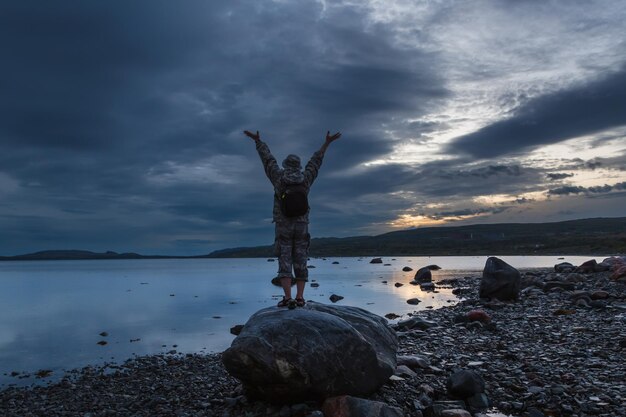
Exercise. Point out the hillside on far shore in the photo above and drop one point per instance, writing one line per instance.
(601, 236)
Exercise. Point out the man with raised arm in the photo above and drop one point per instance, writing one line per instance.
(291, 213)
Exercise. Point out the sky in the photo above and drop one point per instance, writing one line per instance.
(121, 122)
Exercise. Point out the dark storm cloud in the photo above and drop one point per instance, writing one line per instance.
(103, 102)
(485, 172)
(581, 110)
(558, 175)
(600, 189)
(445, 179)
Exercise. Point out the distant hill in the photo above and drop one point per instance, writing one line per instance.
(600, 236)
(61, 255)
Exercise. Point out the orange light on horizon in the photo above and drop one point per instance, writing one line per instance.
(405, 221)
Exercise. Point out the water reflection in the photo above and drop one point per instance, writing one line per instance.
(53, 312)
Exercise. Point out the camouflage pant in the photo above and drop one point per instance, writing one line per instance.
(292, 248)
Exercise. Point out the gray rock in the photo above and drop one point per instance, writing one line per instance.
(313, 352)
(415, 322)
(423, 275)
(334, 298)
(413, 361)
(403, 370)
(236, 329)
(588, 266)
(347, 406)
(568, 286)
(407, 269)
(564, 267)
(464, 384)
(457, 412)
(438, 407)
(376, 261)
(478, 401)
(602, 267)
(500, 280)
(427, 286)
(413, 301)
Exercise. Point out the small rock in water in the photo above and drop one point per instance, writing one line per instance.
(335, 263)
(334, 298)
(102, 342)
(413, 301)
(376, 261)
(314, 285)
(43, 373)
(423, 275)
(407, 269)
(398, 284)
(392, 316)
(104, 334)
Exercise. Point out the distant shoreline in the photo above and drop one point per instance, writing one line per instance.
(80, 255)
(593, 237)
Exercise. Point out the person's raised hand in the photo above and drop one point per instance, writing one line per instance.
(256, 137)
(330, 138)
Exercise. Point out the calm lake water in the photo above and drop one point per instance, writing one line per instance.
(52, 312)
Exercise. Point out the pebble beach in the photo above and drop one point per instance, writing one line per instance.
(558, 351)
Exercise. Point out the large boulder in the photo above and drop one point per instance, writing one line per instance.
(310, 353)
(500, 280)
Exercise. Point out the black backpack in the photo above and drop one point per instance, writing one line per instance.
(294, 201)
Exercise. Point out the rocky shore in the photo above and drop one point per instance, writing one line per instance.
(557, 351)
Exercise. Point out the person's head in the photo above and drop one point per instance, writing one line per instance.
(292, 162)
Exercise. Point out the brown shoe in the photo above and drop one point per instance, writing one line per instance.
(287, 302)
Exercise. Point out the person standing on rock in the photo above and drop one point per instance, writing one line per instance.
(291, 213)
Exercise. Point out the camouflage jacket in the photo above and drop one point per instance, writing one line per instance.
(275, 174)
